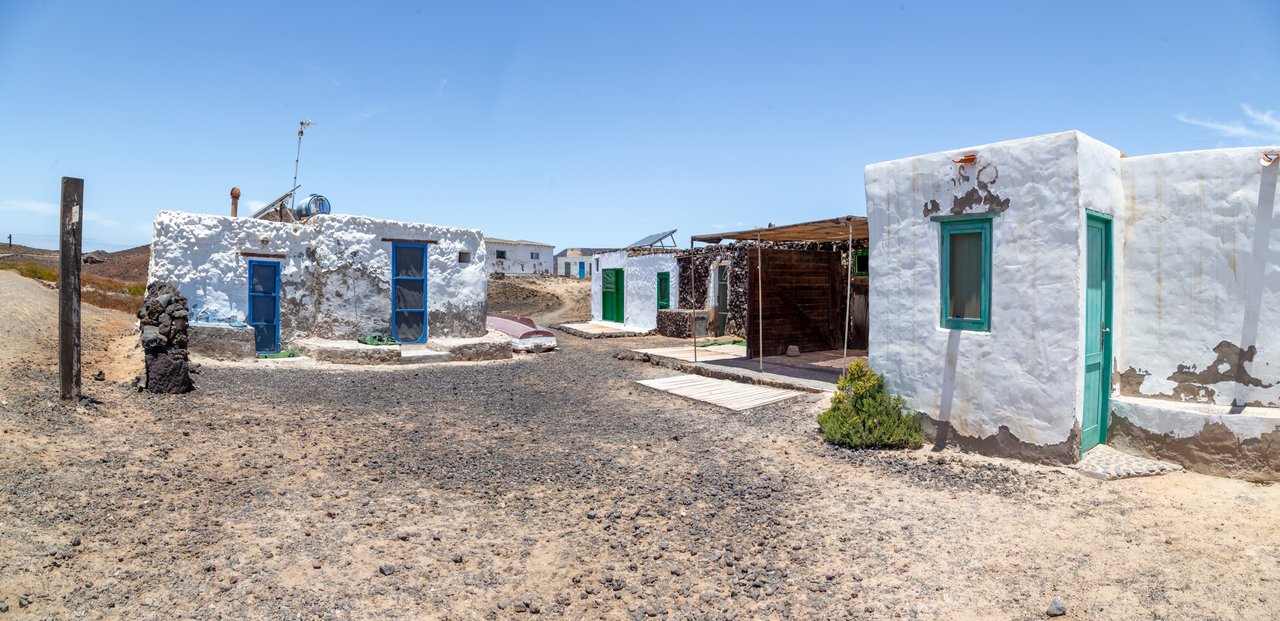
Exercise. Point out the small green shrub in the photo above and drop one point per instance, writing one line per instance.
(33, 270)
(377, 339)
(864, 414)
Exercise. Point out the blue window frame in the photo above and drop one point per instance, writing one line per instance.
(264, 305)
(409, 292)
(965, 261)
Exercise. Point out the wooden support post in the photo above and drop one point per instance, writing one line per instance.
(70, 234)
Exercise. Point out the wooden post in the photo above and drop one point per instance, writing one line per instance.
(70, 234)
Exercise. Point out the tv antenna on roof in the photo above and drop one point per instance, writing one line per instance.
(302, 125)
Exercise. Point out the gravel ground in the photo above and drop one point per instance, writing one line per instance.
(552, 485)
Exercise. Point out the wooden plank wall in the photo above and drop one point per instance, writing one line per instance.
(802, 298)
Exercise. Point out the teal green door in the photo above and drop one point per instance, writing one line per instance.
(664, 290)
(1097, 333)
(612, 291)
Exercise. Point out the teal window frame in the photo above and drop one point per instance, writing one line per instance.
(948, 226)
(860, 253)
(664, 290)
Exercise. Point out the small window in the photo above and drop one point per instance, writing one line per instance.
(664, 290)
(597, 265)
(966, 274)
(502, 254)
(534, 255)
(860, 262)
(464, 257)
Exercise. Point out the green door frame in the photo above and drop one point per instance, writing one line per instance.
(1100, 313)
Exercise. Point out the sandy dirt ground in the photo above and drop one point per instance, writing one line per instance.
(553, 485)
(549, 300)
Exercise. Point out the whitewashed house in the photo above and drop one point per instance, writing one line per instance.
(629, 287)
(519, 256)
(330, 276)
(1038, 297)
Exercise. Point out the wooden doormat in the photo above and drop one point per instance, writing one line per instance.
(724, 393)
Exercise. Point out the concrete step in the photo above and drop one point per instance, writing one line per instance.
(422, 355)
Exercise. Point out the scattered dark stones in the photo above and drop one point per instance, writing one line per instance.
(1056, 608)
(387, 569)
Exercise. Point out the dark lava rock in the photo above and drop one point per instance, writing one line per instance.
(1056, 608)
(387, 569)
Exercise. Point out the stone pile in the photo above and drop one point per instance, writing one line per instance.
(163, 320)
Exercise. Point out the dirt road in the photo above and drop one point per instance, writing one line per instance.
(552, 484)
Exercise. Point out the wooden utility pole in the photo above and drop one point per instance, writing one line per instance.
(70, 234)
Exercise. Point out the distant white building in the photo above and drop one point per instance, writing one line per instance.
(577, 262)
(518, 257)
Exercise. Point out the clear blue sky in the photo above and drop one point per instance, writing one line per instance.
(591, 123)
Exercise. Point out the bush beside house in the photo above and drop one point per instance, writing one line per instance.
(864, 414)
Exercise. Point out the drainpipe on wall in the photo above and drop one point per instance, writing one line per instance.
(235, 201)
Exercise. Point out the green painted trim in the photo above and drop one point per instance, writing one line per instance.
(664, 290)
(860, 253)
(986, 215)
(1099, 215)
(947, 229)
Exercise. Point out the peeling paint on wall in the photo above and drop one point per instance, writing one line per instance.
(977, 199)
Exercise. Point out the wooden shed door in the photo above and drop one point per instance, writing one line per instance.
(801, 297)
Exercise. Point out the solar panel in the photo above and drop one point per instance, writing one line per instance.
(654, 239)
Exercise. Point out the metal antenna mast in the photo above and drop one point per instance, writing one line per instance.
(302, 125)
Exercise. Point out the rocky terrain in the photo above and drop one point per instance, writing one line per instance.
(552, 485)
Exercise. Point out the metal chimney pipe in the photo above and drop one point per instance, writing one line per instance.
(235, 201)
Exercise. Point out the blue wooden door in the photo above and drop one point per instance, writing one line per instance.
(582, 270)
(409, 292)
(1097, 333)
(264, 305)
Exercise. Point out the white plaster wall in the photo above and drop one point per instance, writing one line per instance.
(1100, 191)
(518, 260)
(335, 275)
(1201, 247)
(640, 283)
(1026, 373)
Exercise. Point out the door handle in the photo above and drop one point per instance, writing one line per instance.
(1102, 337)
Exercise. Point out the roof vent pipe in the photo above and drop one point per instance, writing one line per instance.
(1269, 158)
(235, 201)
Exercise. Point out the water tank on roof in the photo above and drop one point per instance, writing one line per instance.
(311, 205)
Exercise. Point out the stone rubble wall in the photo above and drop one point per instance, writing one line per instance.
(163, 320)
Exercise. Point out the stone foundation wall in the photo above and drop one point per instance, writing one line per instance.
(678, 322)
